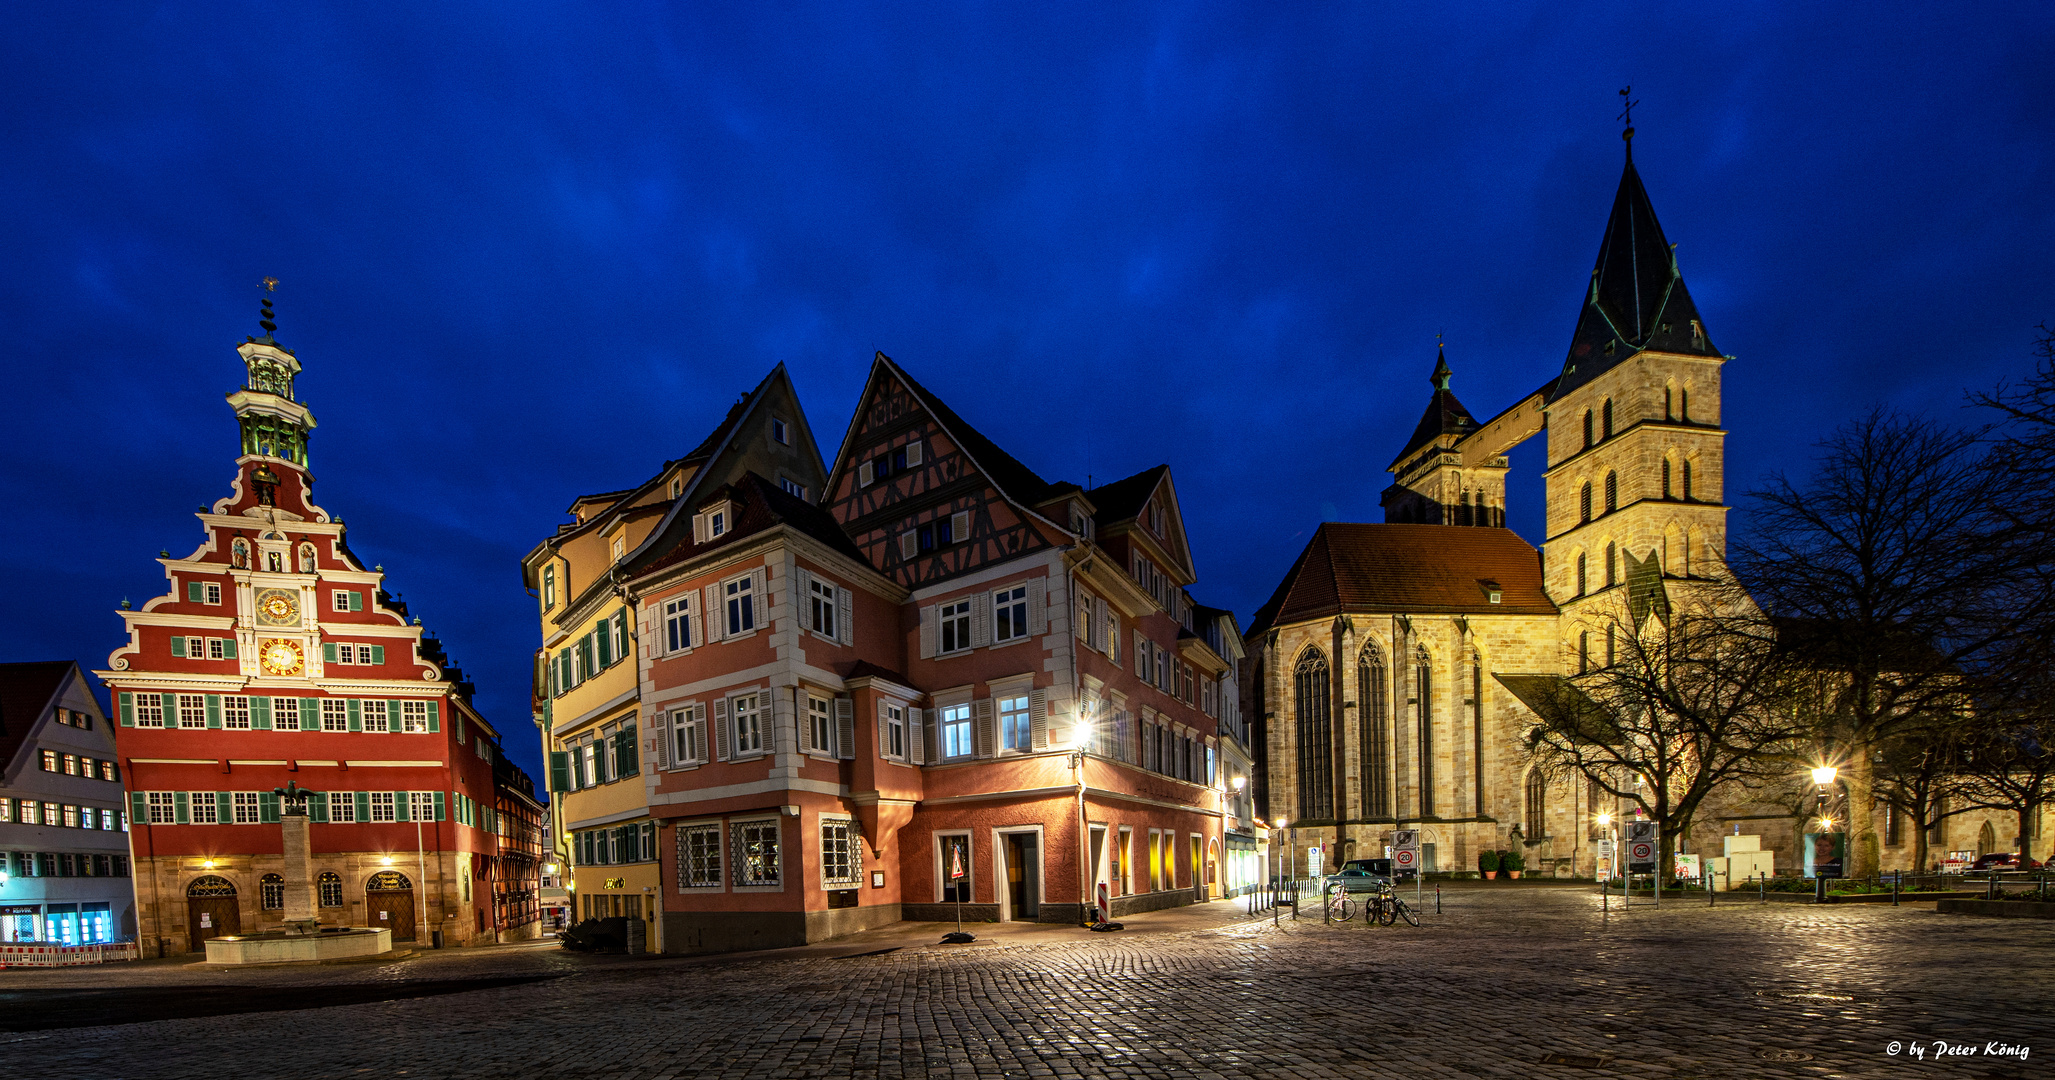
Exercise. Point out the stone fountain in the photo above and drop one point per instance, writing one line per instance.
(302, 938)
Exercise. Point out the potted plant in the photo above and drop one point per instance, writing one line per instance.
(1512, 862)
(1487, 864)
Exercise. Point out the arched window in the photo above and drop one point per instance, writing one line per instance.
(239, 553)
(1587, 429)
(1609, 646)
(1668, 412)
(1687, 480)
(1583, 651)
(1374, 709)
(1987, 839)
(1605, 427)
(1423, 691)
(329, 884)
(306, 558)
(271, 892)
(1666, 478)
(1537, 805)
(1316, 737)
(1612, 559)
(1580, 574)
(1612, 492)
(1584, 502)
(1684, 404)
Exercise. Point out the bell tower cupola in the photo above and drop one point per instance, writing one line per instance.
(274, 425)
(1431, 484)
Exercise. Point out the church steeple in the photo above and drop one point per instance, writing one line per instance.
(1636, 300)
(274, 425)
(1431, 484)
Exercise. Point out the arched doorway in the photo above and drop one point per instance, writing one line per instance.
(1987, 839)
(389, 904)
(211, 911)
(1213, 888)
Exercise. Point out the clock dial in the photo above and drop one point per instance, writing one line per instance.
(281, 657)
(278, 607)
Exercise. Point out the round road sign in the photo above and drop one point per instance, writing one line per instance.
(1641, 851)
(1402, 858)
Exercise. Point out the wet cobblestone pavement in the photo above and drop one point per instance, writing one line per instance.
(1502, 980)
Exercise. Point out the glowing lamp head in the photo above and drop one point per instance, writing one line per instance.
(1826, 823)
(386, 861)
(1604, 820)
(1081, 734)
(1824, 775)
(1241, 782)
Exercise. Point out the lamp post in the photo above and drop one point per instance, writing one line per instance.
(1238, 783)
(1081, 736)
(1605, 822)
(1823, 777)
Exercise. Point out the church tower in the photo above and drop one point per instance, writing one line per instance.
(1634, 438)
(1431, 484)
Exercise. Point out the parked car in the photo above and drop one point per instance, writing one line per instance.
(1362, 875)
(2003, 860)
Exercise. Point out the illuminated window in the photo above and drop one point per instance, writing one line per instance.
(841, 865)
(248, 808)
(1016, 730)
(756, 854)
(699, 854)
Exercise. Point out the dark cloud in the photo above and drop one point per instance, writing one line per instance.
(532, 250)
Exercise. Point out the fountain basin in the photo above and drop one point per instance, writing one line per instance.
(281, 947)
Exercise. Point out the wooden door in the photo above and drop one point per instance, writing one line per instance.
(392, 910)
(1023, 876)
(211, 917)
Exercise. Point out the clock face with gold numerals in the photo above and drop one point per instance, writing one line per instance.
(281, 657)
(278, 607)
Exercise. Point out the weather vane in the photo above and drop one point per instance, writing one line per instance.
(271, 284)
(1627, 111)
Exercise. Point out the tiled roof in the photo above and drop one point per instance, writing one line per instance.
(1444, 416)
(1122, 499)
(1637, 299)
(1407, 569)
(761, 505)
(25, 690)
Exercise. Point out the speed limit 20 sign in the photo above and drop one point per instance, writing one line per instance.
(1405, 849)
(1641, 847)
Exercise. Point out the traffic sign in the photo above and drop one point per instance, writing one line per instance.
(1642, 837)
(1405, 850)
(1605, 848)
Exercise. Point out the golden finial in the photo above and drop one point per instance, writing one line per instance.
(270, 284)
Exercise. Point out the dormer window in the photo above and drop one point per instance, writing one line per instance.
(1493, 593)
(677, 486)
(1156, 518)
(792, 487)
(549, 587)
(620, 548)
(780, 433)
(713, 522)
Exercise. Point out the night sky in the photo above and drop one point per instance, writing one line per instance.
(529, 251)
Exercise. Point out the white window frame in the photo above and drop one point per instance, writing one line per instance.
(375, 705)
(895, 732)
(820, 725)
(738, 606)
(414, 717)
(792, 487)
(759, 703)
(335, 714)
(690, 876)
(249, 807)
(192, 710)
(1010, 607)
(748, 875)
(953, 624)
(342, 807)
(781, 432)
(822, 598)
(149, 709)
(956, 726)
(235, 712)
(382, 807)
(197, 801)
(162, 806)
(213, 593)
(841, 831)
(688, 735)
(677, 615)
(1023, 717)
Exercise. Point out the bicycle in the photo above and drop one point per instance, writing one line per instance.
(1389, 908)
(1339, 906)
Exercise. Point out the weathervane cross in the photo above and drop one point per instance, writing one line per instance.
(270, 284)
(1627, 108)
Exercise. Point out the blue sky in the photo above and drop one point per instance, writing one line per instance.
(532, 250)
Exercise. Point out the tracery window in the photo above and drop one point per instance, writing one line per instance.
(1537, 805)
(1315, 736)
(1612, 492)
(1373, 709)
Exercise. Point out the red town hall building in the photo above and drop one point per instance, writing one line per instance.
(277, 656)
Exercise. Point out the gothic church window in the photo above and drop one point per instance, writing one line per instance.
(1583, 651)
(1684, 404)
(1370, 679)
(1584, 502)
(1612, 492)
(1580, 573)
(1537, 805)
(1667, 413)
(1612, 557)
(1423, 688)
(1687, 481)
(1315, 735)
(1610, 646)
(1666, 478)
(1587, 429)
(1605, 427)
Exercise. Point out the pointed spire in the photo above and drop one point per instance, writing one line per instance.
(1439, 380)
(1637, 299)
(1444, 416)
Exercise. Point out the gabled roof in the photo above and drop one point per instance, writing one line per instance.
(1407, 569)
(1637, 299)
(1018, 483)
(26, 689)
(1444, 416)
(760, 506)
(1123, 499)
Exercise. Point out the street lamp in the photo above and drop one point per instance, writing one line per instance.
(1081, 737)
(1823, 775)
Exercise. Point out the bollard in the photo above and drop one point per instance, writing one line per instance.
(1762, 887)
(1437, 898)
(1991, 885)
(1708, 875)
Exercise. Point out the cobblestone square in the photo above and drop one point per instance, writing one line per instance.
(1501, 980)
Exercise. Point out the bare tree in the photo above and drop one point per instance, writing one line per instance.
(1912, 771)
(1896, 561)
(1695, 699)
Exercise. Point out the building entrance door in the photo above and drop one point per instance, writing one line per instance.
(211, 911)
(1024, 875)
(1198, 881)
(389, 904)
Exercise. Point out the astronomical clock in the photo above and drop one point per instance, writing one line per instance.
(281, 658)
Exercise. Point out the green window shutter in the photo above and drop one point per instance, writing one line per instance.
(267, 807)
(228, 649)
(378, 654)
(356, 601)
(363, 806)
(621, 632)
(181, 808)
(224, 808)
(170, 710)
(138, 809)
(196, 593)
(317, 808)
(328, 651)
(626, 758)
(260, 714)
(559, 771)
(128, 709)
(310, 714)
(178, 646)
(213, 710)
(356, 708)
(604, 644)
(435, 716)
(401, 811)
(439, 808)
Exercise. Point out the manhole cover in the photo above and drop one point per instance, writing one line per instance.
(1577, 1061)
(1783, 1055)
